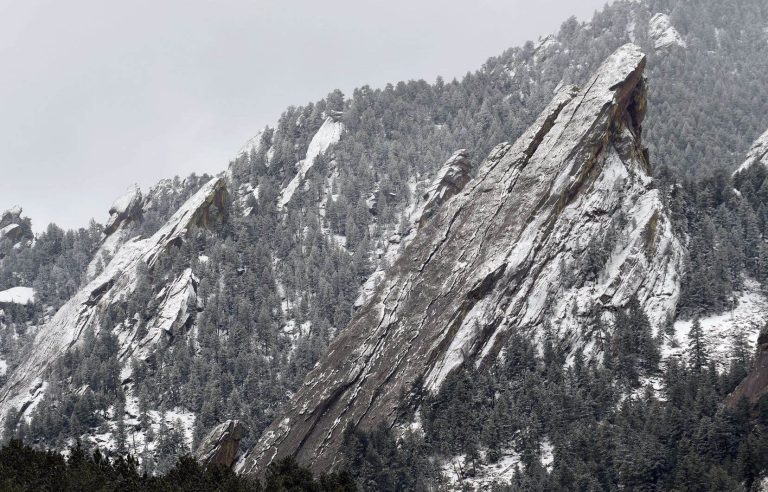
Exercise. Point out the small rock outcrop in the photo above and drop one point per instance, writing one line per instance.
(663, 33)
(12, 226)
(126, 208)
(222, 445)
(450, 180)
(758, 154)
(557, 230)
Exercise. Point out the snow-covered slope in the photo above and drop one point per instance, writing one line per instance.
(17, 295)
(745, 320)
(495, 260)
(26, 385)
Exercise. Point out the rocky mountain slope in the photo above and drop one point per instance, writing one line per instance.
(342, 191)
(572, 198)
(27, 385)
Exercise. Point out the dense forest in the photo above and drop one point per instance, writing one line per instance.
(24, 468)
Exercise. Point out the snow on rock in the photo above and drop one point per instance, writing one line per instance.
(253, 144)
(450, 180)
(11, 229)
(758, 154)
(12, 215)
(17, 295)
(663, 33)
(748, 316)
(328, 134)
(222, 444)
(118, 280)
(126, 207)
(508, 254)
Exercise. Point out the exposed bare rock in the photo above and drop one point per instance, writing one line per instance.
(26, 385)
(758, 154)
(450, 180)
(495, 260)
(126, 208)
(11, 227)
(222, 445)
(755, 385)
(11, 232)
(663, 33)
(10, 216)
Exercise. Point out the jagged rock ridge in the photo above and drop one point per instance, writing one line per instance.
(496, 259)
(26, 385)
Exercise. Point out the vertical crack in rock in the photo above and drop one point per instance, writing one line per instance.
(493, 260)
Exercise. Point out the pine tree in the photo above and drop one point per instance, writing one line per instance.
(697, 350)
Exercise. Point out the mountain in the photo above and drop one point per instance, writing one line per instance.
(572, 198)
(373, 221)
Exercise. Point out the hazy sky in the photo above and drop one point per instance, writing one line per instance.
(97, 95)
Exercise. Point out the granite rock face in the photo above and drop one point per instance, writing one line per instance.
(758, 154)
(450, 181)
(755, 386)
(222, 445)
(495, 260)
(126, 208)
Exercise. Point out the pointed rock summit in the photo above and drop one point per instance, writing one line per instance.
(571, 199)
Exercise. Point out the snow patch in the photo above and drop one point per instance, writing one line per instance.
(748, 316)
(17, 295)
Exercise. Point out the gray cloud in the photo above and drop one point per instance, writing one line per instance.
(98, 95)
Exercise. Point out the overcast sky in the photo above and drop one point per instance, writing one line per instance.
(97, 95)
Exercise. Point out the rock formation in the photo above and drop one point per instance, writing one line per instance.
(450, 181)
(222, 445)
(496, 259)
(755, 385)
(758, 154)
(663, 33)
(27, 384)
(12, 228)
(126, 208)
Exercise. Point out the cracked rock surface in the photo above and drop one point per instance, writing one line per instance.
(26, 385)
(494, 260)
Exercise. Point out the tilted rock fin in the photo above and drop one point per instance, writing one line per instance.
(494, 260)
(222, 444)
(26, 385)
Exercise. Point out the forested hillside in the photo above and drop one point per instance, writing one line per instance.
(319, 207)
